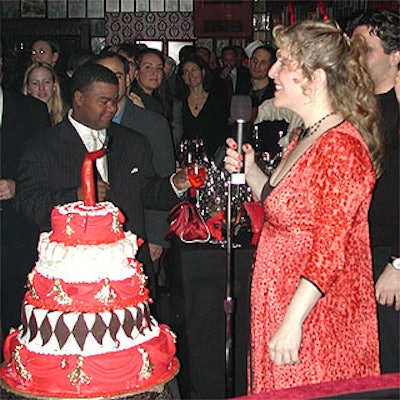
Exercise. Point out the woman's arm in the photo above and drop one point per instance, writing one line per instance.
(285, 344)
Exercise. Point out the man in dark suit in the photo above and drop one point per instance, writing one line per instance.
(21, 117)
(156, 128)
(50, 167)
(261, 89)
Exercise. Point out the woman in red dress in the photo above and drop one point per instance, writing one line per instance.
(313, 316)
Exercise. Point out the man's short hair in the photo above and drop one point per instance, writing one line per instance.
(90, 73)
(112, 54)
(385, 24)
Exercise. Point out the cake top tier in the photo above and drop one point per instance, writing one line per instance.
(77, 223)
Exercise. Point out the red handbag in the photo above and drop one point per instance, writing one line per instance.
(187, 224)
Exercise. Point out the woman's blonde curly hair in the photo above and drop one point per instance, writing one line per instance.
(323, 45)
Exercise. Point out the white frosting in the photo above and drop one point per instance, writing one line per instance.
(86, 263)
(91, 346)
(79, 207)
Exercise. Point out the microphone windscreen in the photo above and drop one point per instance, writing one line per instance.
(241, 108)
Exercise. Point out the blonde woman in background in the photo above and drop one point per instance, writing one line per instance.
(41, 82)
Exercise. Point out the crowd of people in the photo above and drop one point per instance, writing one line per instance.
(325, 290)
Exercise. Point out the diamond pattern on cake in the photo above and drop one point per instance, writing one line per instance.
(99, 329)
(62, 332)
(24, 321)
(147, 316)
(80, 331)
(33, 328)
(70, 331)
(45, 330)
(128, 324)
(115, 325)
(139, 320)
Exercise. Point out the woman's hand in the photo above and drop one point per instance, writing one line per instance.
(235, 161)
(284, 346)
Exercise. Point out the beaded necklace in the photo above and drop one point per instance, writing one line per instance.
(306, 132)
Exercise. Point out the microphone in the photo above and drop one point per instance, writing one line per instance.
(240, 113)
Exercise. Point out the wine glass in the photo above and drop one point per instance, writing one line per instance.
(197, 174)
(196, 169)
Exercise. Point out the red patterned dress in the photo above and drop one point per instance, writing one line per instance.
(317, 227)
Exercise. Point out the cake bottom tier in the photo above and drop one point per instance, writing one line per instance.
(74, 376)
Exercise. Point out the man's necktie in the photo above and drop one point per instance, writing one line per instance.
(101, 163)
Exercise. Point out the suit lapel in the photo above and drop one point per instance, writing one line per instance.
(71, 140)
(114, 155)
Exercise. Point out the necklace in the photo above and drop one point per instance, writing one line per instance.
(306, 132)
(200, 100)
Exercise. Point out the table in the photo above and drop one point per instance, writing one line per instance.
(196, 280)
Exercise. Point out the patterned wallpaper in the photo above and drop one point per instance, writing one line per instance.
(123, 27)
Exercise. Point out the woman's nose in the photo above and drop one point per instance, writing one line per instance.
(272, 71)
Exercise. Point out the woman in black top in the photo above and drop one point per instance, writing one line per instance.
(203, 112)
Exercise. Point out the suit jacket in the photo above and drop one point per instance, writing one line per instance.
(156, 128)
(23, 117)
(50, 173)
(242, 81)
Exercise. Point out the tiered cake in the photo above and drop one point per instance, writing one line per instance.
(86, 325)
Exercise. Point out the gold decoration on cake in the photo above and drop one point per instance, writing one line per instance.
(60, 296)
(16, 356)
(78, 376)
(106, 294)
(147, 367)
(68, 229)
(171, 333)
(142, 279)
(30, 284)
(115, 226)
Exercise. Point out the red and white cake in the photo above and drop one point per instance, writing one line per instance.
(86, 325)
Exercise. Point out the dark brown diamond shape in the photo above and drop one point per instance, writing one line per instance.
(139, 319)
(45, 330)
(24, 320)
(33, 328)
(115, 325)
(128, 324)
(80, 331)
(147, 315)
(99, 329)
(61, 331)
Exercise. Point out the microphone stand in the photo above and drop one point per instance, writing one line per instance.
(241, 113)
(229, 300)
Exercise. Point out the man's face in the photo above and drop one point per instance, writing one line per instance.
(229, 58)
(95, 107)
(379, 64)
(260, 64)
(41, 52)
(116, 66)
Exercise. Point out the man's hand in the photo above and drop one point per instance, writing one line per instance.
(155, 251)
(7, 189)
(181, 179)
(136, 100)
(225, 72)
(397, 86)
(102, 188)
(387, 288)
